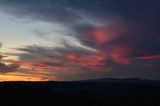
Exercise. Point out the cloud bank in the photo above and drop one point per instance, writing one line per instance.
(117, 38)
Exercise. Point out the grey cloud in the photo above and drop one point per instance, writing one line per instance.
(8, 68)
(0, 44)
(52, 56)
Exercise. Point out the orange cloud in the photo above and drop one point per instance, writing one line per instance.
(44, 66)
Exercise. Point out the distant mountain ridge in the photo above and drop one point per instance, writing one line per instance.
(94, 80)
(120, 80)
(94, 92)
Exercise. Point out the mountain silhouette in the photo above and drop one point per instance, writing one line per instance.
(95, 92)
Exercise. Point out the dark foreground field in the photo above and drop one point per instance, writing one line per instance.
(104, 92)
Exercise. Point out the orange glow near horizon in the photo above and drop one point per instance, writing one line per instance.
(6, 77)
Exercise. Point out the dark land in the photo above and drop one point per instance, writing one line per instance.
(100, 92)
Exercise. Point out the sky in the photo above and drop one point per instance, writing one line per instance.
(43, 40)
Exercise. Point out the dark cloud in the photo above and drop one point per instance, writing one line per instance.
(140, 17)
(123, 33)
(67, 10)
(0, 44)
(4, 68)
(8, 68)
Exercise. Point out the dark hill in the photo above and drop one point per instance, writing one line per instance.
(97, 92)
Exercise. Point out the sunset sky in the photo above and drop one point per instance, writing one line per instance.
(43, 40)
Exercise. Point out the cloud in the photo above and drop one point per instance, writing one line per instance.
(6, 68)
(67, 56)
(113, 35)
(150, 57)
(0, 44)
